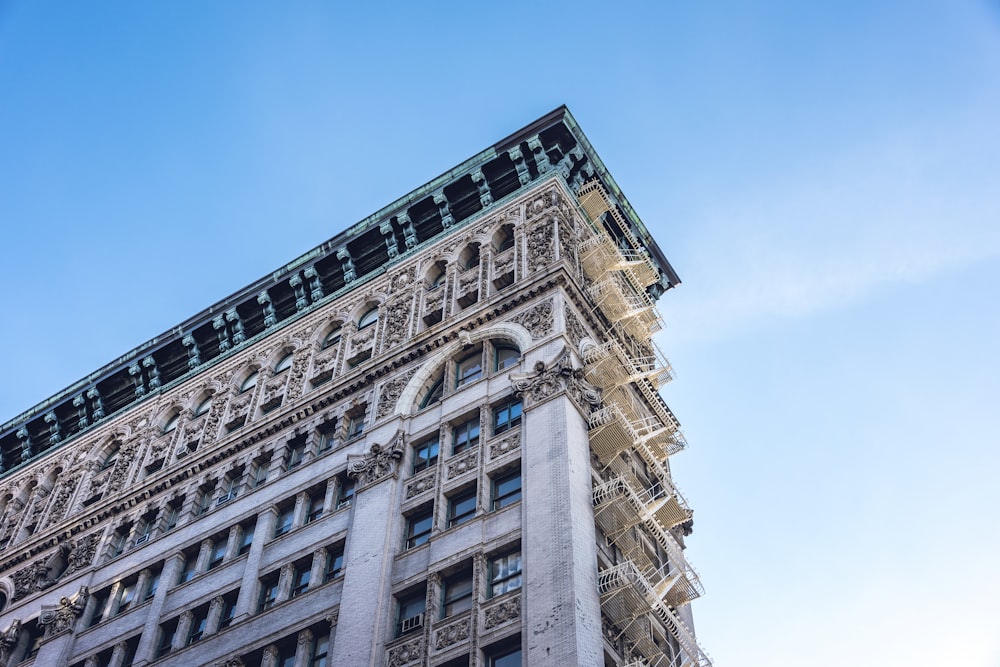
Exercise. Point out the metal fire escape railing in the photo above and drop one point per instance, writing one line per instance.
(627, 594)
(600, 253)
(617, 362)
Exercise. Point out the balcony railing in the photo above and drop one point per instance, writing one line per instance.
(621, 503)
(621, 303)
(614, 363)
(627, 593)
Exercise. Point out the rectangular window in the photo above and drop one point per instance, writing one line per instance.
(284, 520)
(268, 592)
(505, 573)
(506, 415)
(457, 595)
(119, 540)
(506, 489)
(320, 649)
(300, 578)
(190, 565)
(204, 501)
(469, 369)
(505, 356)
(260, 473)
(461, 507)
(218, 553)
(334, 563)
(228, 609)
(101, 600)
(143, 531)
(246, 538)
(315, 507)
(345, 490)
(509, 657)
(294, 454)
(410, 613)
(167, 631)
(152, 584)
(465, 436)
(230, 489)
(425, 455)
(198, 623)
(355, 427)
(126, 595)
(418, 527)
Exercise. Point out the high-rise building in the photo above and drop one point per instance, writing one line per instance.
(435, 439)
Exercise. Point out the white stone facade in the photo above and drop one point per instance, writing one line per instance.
(383, 496)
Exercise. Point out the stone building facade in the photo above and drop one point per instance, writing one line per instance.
(434, 440)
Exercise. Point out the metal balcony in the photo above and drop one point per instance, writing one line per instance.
(622, 304)
(634, 259)
(621, 503)
(610, 432)
(614, 363)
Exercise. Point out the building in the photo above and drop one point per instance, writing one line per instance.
(435, 439)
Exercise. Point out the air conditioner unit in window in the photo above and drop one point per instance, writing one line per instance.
(141, 539)
(225, 499)
(411, 623)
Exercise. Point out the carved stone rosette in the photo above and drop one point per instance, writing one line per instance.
(61, 617)
(554, 378)
(379, 463)
(406, 653)
(463, 464)
(538, 320)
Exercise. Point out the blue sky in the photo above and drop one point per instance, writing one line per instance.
(824, 179)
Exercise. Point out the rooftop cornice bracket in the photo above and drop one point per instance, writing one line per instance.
(219, 324)
(135, 370)
(301, 302)
(409, 233)
(447, 219)
(542, 160)
(25, 438)
(485, 196)
(270, 317)
(385, 227)
(54, 433)
(80, 403)
(194, 354)
(153, 372)
(523, 175)
(344, 255)
(315, 286)
(96, 404)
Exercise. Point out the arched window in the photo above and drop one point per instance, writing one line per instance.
(171, 423)
(249, 383)
(112, 457)
(504, 239)
(283, 364)
(470, 257)
(505, 356)
(203, 406)
(369, 318)
(433, 394)
(332, 338)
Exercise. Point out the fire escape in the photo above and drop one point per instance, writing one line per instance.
(636, 504)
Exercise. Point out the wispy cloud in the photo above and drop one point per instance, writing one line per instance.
(899, 213)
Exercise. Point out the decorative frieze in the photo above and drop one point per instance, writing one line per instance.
(408, 652)
(460, 465)
(421, 483)
(538, 319)
(502, 446)
(502, 611)
(451, 634)
(390, 394)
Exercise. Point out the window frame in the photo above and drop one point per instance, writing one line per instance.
(499, 500)
(425, 461)
(499, 584)
(368, 318)
(469, 368)
(506, 407)
(449, 598)
(416, 538)
(457, 516)
(509, 361)
(466, 436)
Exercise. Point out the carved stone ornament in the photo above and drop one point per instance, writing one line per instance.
(397, 323)
(553, 378)
(82, 554)
(574, 328)
(403, 279)
(417, 485)
(540, 245)
(405, 653)
(502, 612)
(297, 377)
(231, 662)
(505, 445)
(538, 320)
(378, 463)
(60, 618)
(8, 641)
(391, 391)
(461, 465)
(452, 634)
(61, 498)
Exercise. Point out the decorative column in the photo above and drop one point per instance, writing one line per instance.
(249, 587)
(58, 622)
(147, 640)
(374, 532)
(561, 606)
(183, 629)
